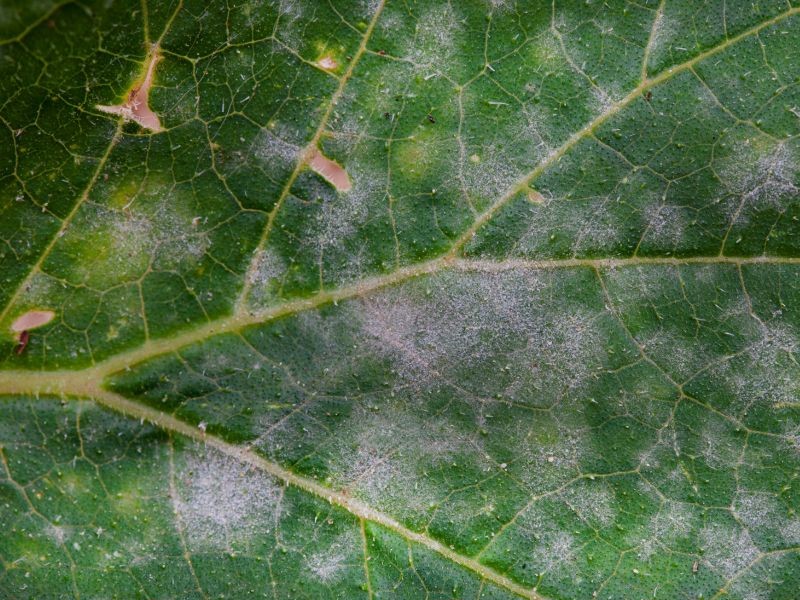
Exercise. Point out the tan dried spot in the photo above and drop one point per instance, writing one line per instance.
(31, 320)
(332, 171)
(535, 197)
(328, 63)
(136, 108)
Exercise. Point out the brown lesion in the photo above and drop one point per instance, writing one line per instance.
(31, 320)
(328, 63)
(332, 171)
(535, 197)
(136, 107)
(24, 323)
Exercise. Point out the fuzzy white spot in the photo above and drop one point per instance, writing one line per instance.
(223, 501)
(727, 548)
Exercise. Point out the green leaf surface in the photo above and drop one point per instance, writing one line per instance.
(400, 299)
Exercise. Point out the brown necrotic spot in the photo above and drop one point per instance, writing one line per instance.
(136, 107)
(535, 197)
(332, 171)
(31, 320)
(24, 336)
(328, 63)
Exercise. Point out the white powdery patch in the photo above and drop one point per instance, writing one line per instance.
(545, 466)
(762, 174)
(728, 549)
(135, 235)
(517, 147)
(349, 131)
(547, 51)
(131, 238)
(718, 449)
(433, 46)
(791, 531)
(604, 100)
(289, 13)
(663, 32)
(331, 563)
(179, 237)
(390, 22)
(380, 457)
(753, 588)
(273, 150)
(673, 521)
(632, 286)
(267, 271)
(370, 6)
(56, 533)
(665, 224)
(499, 4)
(597, 227)
(680, 357)
(40, 291)
(495, 172)
(341, 215)
(772, 376)
(593, 501)
(221, 500)
(793, 438)
(466, 322)
(551, 546)
(759, 510)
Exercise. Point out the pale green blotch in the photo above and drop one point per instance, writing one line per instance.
(545, 50)
(119, 241)
(416, 157)
(329, 58)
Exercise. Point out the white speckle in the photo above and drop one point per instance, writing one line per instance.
(673, 521)
(663, 31)
(274, 150)
(761, 173)
(592, 501)
(330, 563)
(221, 500)
(767, 372)
(728, 548)
(266, 274)
(762, 511)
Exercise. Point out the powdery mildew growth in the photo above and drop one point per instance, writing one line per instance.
(761, 173)
(458, 323)
(223, 503)
(450, 296)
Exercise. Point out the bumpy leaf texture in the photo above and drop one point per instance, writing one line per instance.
(400, 299)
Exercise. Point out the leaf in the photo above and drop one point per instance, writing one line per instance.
(378, 299)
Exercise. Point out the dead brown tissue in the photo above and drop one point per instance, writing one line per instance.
(136, 108)
(332, 171)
